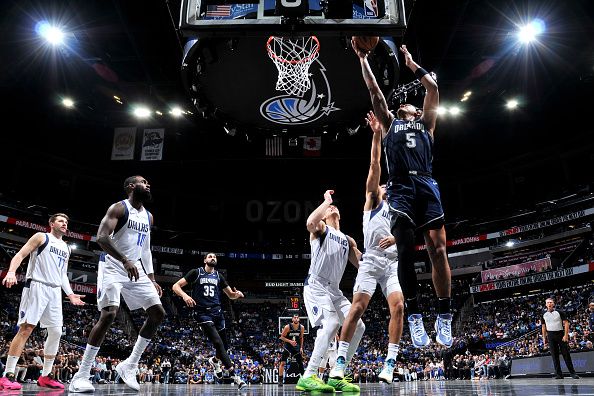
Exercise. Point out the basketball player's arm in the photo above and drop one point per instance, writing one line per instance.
(372, 187)
(544, 332)
(354, 253)
(106, 228)
(177, 289)
(431, 101)
(284, 338)
(33, 243)
(75, 299)
(232, 293)
(301, 338)
(378, 101)
(314, 223)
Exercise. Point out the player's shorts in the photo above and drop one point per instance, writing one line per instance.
(213, 315)
(418, 199)
(41, 303)
(329, 359)
(289, 351)
(378, 267)
(324, 299)
(113, 281)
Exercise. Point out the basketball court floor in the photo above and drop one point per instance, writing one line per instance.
(536, 386)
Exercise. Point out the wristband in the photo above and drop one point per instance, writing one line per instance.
(11, 273)
(420, 72)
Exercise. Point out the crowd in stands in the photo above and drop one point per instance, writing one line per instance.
(179, 352)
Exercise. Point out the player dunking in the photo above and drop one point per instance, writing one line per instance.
(207, 283)
(125, 269)
(379, 265)
(413, 195)
(292, 332)
(41, 300)
(326, 305)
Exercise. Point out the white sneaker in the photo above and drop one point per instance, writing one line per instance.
(240, 383)
(127, 373)
(387, 373)
(80, 384)
(337, 371)
(216, 365)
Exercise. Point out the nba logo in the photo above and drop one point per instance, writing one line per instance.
(371, 8)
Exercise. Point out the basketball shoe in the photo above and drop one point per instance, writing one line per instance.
(127, 372)
(48, 381)
(387, 373)
(313, 384)
(443, 328)
(8, 382)
(418, 334)
(216, 366)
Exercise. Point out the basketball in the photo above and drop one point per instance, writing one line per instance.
(366, 43)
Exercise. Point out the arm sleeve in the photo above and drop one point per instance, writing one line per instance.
(191, 276)
(147, 255)
(222, 282)
(562, 316)
(66, 284)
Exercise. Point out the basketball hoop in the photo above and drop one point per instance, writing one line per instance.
(293, 57)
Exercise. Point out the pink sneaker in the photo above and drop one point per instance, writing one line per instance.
(48, 381)
(9, 383)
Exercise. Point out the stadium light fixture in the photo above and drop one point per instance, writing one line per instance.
(510, 243)
(455, 110)
(512, 104)
(142, 112)
(176, 112)
(68, 103)
(52, 34)
(529, 33)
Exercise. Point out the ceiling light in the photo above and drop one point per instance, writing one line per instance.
(441, 110)
(529, 32)
(454, 110)
(468, 93)
(510, 243)
(512, 104)
(68, 103)
(176, 112)
(52, 34)
(142, 112)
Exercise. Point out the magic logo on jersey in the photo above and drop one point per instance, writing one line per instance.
(295, 110)
(404, 126)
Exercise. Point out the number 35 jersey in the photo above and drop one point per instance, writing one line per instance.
(206, 287)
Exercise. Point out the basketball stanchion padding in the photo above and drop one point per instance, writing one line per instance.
(293, 56)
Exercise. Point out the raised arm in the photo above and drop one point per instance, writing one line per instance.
(33, 243)
(106, 228)
(378, 101)
(372, 187)
(431, 101)
(314, 223)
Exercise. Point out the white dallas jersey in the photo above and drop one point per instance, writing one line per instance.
(131, 233)
(329, 255)
(376, 226)
(47, 263)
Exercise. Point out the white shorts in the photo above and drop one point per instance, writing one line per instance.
(41, 303)
(324, 299)
(112, 280)
(329, 358)
(377, 267)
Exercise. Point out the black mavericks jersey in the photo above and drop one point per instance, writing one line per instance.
(206, 287)
(408, 146)
(293, 335)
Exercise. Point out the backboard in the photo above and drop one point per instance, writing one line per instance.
(238, 18)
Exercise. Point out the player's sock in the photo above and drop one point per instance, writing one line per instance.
(47, 366)
(343, 348)
(392, 351)
(11, 362)
(87, 360)
(444, 305)
(139, 347)
(412, 306)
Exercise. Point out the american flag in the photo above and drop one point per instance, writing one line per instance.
(218, 10)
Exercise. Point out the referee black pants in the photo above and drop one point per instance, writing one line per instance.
(556, 345)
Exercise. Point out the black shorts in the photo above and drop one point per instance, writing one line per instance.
(418, 199)
(213, 315)
(289, 352)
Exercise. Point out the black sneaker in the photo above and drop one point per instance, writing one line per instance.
(280, 383)
(575, 376)
(558, 376)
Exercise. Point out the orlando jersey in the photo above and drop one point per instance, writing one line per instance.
(293, 335)
(47, 263)
(408, 146)
(132, 234)
(329, 255)
(206, 287)
(376, 226)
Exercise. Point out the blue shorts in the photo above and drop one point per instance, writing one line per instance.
(417, 198)
(213, 315)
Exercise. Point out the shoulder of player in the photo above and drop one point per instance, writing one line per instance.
(117, 209)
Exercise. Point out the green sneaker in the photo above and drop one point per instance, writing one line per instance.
(313, 383)
(343, 385)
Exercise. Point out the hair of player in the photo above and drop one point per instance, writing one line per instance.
(56, 215)
(550, 299)
(128, 181)
(206, 255)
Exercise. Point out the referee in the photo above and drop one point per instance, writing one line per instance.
(556, 327)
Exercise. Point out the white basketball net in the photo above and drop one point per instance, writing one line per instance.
(292, 57)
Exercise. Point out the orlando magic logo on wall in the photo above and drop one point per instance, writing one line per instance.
(314, 104)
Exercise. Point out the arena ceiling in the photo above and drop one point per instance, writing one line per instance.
(488, 159)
